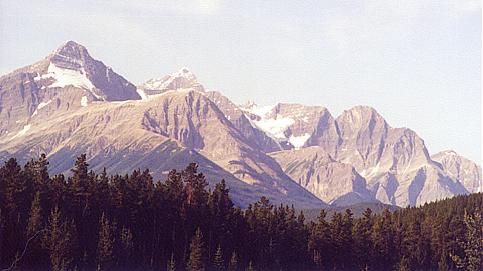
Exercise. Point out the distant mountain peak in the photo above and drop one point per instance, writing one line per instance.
(70, 47)
(361, 115)
(69, 76)
(184, 71)
(181, 79)
(450, 152)
(70, 55)
(362, 109)
(460, 168)
(278, 148)
(249, 105)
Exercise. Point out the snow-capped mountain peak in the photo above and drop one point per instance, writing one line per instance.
(280, 148)
(71, 49)
(184, 72)
(181, 79)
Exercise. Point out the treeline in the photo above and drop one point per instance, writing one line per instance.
(94, 221)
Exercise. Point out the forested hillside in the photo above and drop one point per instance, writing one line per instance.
(92, 221)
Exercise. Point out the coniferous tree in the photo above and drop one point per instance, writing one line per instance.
(105, 245)
(171, 264)
(38, 172)
(35, 217)
(196, 257)
(156, 219)
(320, 241)
(338, 240)
(383, 241)
(34, 254)
(221, 212)
(362, 239)
(58, 241)
(16, 205)
(2, 233)
(403, 265)
(233, 264)
(126, 247)
(218, 262)
(81, 210)
(347, 240)
(473, 245)
(443, 264)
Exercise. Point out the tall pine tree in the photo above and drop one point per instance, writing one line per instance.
(105, 246)
(58, 241)
(196, 258)
(218, 263)
(171, 264)
(35, 255)
(233, 264)
(473, 245)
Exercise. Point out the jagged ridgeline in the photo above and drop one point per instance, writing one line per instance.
(69, 103)
(95, 221)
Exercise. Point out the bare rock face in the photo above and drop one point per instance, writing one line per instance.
(66, 80)
(394, 161)
(70, 103)
(194, 120)
(331, 181)
(256, 138)
(166, 131)
(461, 169)
(105, 84)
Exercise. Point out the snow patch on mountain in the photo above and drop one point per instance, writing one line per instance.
(275, 127)
(65, 77)
(299, 141)
(22, 132)
(40, 106)
(83, 101)
(142, 94)
(371, 171)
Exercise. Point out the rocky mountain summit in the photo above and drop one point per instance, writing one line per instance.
(182, 79)
(69, 103)
(67, 79)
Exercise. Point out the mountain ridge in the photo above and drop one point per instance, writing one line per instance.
(292, 152)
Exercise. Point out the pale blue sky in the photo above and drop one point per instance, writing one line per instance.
(417, 62)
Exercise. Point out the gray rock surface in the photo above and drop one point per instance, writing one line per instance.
(70, 103)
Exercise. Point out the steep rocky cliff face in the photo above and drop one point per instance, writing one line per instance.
(164, 132)
(460, 169)
(67, 79)
(393, 162)
(70, 103)
(334, 182)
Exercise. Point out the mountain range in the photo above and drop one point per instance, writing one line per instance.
(69, 103)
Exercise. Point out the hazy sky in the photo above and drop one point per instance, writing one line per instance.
(417, 62)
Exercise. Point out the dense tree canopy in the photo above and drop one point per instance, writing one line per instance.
(92, 221)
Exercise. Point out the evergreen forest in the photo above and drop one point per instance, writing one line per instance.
(95, 221)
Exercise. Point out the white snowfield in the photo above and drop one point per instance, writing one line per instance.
(64, 77)
(40, 106)
(22, 132)
(142, 94)
(275, 127)
(83, 101)
(299, 141)
(297, 153)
